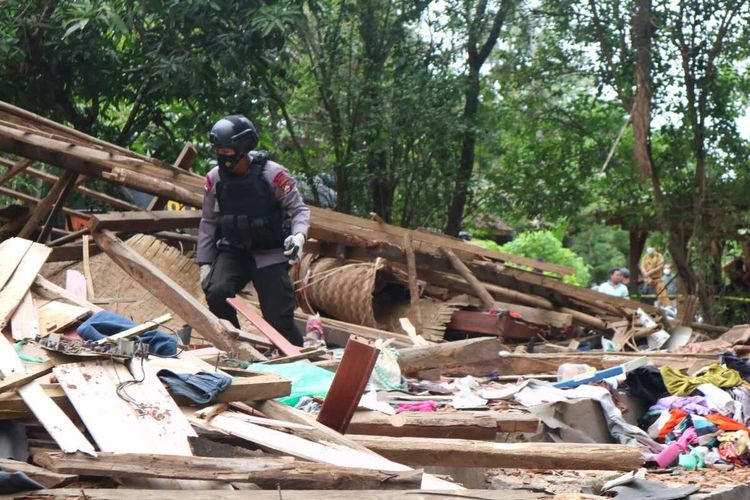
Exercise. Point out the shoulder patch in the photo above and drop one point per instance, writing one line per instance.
(208, 184)
(283, 182)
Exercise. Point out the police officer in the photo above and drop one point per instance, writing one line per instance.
(254, 224)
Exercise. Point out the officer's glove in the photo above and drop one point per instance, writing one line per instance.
(293, 247)
(205, 272)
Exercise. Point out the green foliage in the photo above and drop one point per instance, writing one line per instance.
(543, 246)
(601, 247)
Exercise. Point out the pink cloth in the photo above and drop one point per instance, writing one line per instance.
(671, 453)
(420, 406)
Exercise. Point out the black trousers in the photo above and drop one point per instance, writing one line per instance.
(232, 270)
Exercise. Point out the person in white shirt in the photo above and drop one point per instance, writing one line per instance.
(614, 285)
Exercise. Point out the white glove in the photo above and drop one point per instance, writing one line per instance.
(293, 247)
(205, 270)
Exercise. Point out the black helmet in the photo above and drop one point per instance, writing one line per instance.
(236, 132)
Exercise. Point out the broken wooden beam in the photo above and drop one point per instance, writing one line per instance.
(164, 289)
(348, 384)
(467, 453)
(476, 425)
(415, 313)
(42, 208)
(68, 186)
(465, 272)
(250, 314)
(45, 477)
(146, 222)
(487, 356)
(267, 471)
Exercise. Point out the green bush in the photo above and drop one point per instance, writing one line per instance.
(544, 246)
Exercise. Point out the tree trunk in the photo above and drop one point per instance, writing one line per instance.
(463, 176)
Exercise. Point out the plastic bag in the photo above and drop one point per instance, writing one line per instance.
(307, 379)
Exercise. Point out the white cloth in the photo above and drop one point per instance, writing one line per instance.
(718, 399)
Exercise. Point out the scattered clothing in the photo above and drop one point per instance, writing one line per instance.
(676, 416)
(105, 323)
(725, 423)
(646, 383)
(735, 363)
(681, 384)
(733, 446)
(693, 405)
(532, 393)
(718, 400)
(705, 429)
(201, 388)
(671, 453)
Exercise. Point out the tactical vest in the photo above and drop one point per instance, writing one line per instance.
(250, 215)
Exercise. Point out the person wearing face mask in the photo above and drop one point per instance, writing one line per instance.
(254, 224)
(652, 267)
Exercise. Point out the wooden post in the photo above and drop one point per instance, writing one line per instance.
(164, 289)
(67, 188)
(44, 205)
(348, 384)
(415, 313)
(487, 301)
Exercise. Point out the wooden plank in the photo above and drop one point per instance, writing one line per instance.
(146, 222)
(298, 447)
(137, 330)
(348, 384)
(467, 453)
(58, 425)
(68, 238)
(49, 290)
(24, 324)
(10, 364)
(11, 255)
(246, 389)
(32, 372)
(326, 221)
(70, 183)
(13, 292)
(477, 425)
(264, 327)
(87, 267)
(44, 206)
(145, 416)
(465, 272)
(264, 471)
(76, 284)
(55, 315)
(42, 476)
(74, 252)
(163, 288)
(538, 315)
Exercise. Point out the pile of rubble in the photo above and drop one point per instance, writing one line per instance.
(425, 351)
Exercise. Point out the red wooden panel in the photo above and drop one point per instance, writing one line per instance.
(348, 384)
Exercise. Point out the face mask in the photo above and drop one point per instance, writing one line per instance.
(650, 250)
(228, 162)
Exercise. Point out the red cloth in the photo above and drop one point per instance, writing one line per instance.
(677, 417)
(726, 423)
